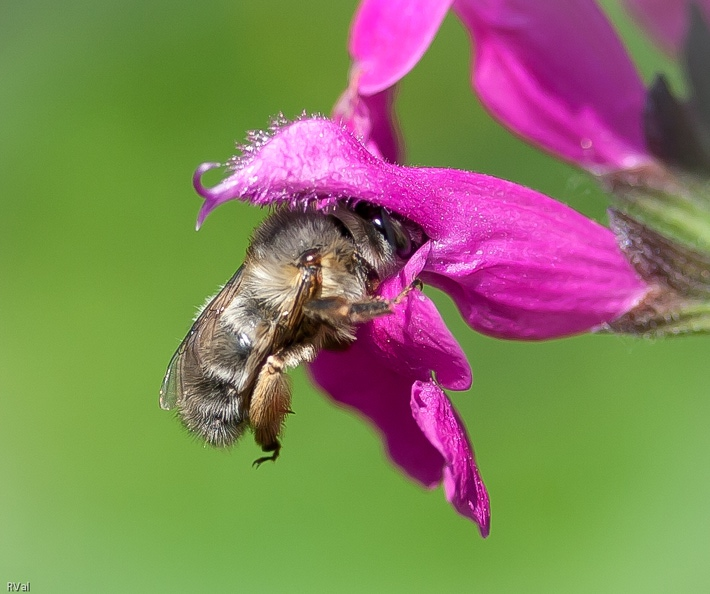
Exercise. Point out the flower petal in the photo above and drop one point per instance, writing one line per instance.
(518, 264)
(375, 374)
(463, 484)
(666, 21)
(557, 74)
(388, 37)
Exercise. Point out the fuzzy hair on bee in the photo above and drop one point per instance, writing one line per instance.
(308, 279)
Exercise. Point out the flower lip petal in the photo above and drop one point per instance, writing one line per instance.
(375, 374)
(378, 374)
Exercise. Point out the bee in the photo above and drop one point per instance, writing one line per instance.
(308, 279)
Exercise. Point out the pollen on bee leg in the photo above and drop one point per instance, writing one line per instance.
(270, 403)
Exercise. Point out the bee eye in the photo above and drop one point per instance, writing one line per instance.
(394, 232)
(391, 229)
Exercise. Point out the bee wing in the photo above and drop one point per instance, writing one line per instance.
(188, 352)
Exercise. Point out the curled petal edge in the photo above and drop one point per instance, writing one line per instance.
(463, 484)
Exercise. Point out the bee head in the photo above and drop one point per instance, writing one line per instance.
(390, 228)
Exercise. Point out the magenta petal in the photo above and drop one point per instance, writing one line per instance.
(666, 21)
(518, 264)
(463, 484)
(375, 374)
(388, 37)
(557, 74)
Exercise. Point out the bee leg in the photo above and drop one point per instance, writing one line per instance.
(275, 447)
(271, 398)
(270, 403)
(337, 310)
(364, 311)
(415, 284)
(296, 354)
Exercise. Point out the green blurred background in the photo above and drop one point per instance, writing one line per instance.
(594, 449)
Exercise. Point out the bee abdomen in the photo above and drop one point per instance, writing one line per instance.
(218, 416)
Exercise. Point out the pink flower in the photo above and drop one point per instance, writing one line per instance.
(517, 264)
(554, 72)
